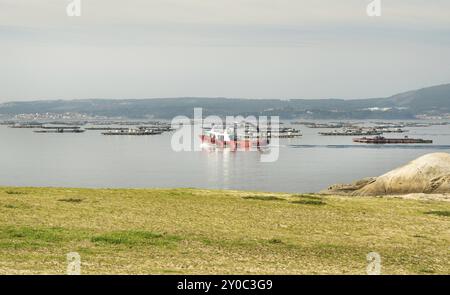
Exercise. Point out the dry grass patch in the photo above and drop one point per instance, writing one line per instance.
(188, 231)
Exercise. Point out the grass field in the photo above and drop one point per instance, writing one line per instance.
(189, 231)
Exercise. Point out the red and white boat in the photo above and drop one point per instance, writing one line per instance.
(230, 138)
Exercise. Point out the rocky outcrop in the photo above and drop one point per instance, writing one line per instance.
(428, 174)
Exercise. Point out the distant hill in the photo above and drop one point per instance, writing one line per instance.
(435, 98)
(430, 101)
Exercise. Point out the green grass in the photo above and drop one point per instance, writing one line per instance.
(308, 199)
(275, 241)
(189, 231)
(24, 237)
(71, 200)
(264, 198)
(309, 202)
(439, 213)
(135, 238)
(308, 196)
(14, 193)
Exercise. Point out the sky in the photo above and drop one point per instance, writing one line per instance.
(221, 48)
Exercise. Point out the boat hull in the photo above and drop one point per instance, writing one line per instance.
(245, 144)
(383, 140)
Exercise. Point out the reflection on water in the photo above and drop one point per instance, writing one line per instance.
(223, 165)
(309, 163)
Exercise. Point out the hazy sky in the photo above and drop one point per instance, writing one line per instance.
(227, 48)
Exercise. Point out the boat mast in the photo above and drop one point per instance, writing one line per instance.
(257, 135)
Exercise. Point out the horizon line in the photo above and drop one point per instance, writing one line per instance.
(220, 97)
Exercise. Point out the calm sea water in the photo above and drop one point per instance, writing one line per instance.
(305, 164)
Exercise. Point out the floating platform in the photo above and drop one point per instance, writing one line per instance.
(132, 132)
(25, 126)
(286, 133)
(60, 130)
(62, 127)
(387, 130)
(383, 140)
(322, 125)
(282, 135)
(106, 128)
(351, 133)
